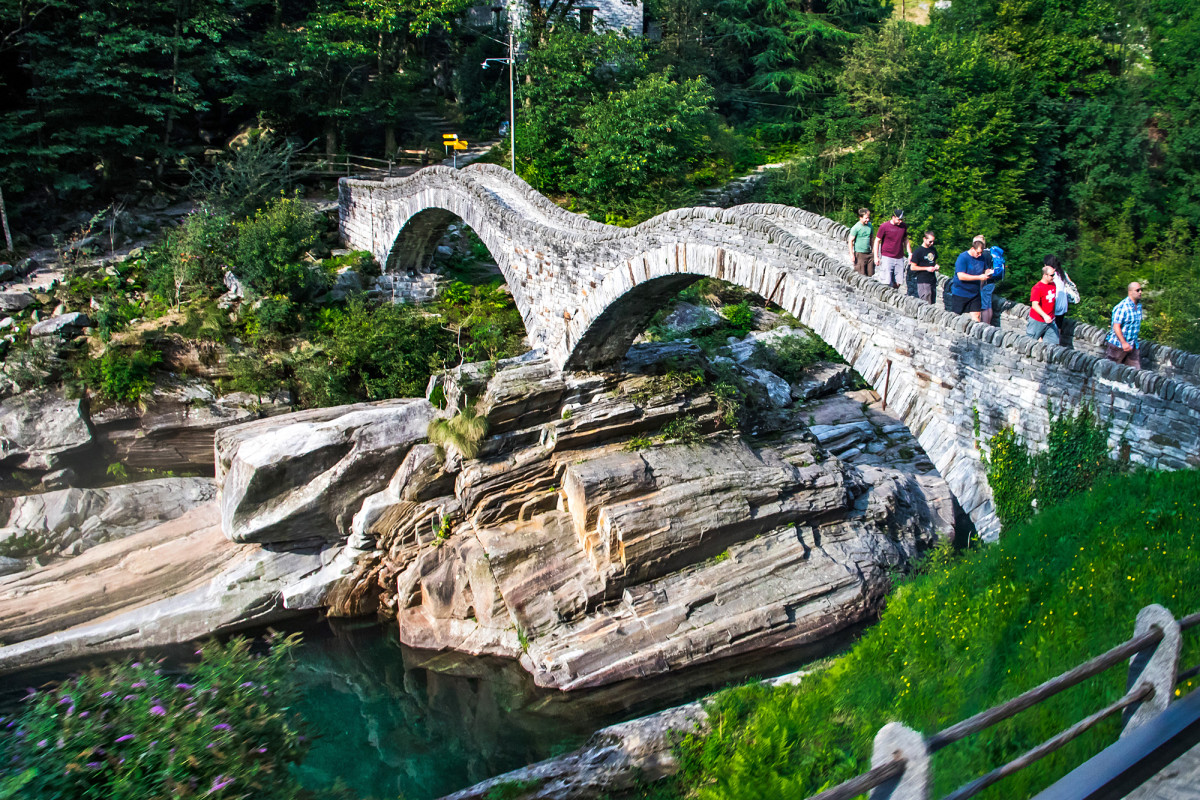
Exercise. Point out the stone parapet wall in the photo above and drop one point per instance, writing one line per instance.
(585, 290)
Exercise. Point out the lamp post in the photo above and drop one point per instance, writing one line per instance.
(512, 108)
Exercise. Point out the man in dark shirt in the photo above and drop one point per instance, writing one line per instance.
(970, 272)
(924, 266)
(891, 246)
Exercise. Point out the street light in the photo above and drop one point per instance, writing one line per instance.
(512, 113)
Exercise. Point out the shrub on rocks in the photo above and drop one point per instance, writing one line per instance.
(222, 729)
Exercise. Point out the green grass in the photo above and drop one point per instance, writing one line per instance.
(968, 634)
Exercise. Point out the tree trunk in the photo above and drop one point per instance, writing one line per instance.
(180, 10)
(331, 137)
(4, 221)
(389, 140)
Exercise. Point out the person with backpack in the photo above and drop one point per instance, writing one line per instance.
(995, 258)
(971, 270)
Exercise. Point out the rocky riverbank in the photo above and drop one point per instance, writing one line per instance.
(610, 527)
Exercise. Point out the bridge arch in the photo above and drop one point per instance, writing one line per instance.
(585, 290)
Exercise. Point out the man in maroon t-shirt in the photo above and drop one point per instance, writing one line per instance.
(892, 251)
(1041, 309)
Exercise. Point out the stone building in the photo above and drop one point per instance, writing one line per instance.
(592, 14)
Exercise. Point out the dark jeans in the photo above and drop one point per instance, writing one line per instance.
(1132, 358)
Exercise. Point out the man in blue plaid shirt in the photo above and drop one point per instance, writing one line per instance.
(1126, 324)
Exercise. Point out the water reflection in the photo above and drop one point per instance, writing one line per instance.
(394, 721)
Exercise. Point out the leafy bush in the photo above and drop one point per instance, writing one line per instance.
(271, 318)
(133, 731)
(684, 430)
(485, 321)
(121, 375)
(113, 315)
(789, 356)
(191, 260)
(255, 373)
(973, 632)
(740, 317)
(269, 246)
(1076, 455)
(372, 352)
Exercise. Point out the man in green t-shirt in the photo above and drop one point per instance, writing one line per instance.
(860, 244)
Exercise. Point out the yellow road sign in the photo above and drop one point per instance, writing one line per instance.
(449, 137)
(461, 144)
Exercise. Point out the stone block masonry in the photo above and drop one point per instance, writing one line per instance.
(585, 290)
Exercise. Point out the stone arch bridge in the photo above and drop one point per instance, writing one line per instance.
(585, 290)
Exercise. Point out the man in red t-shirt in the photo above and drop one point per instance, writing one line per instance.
(1041, 309)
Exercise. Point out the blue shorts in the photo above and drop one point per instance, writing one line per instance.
(985, 295)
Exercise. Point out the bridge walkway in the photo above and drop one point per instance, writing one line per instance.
(1179, 780)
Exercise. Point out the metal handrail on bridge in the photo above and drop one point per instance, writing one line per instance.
(900, 759)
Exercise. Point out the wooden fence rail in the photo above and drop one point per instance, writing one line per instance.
(900, 760)
(348, 165)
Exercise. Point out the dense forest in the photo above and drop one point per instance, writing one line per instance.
(1049, 126)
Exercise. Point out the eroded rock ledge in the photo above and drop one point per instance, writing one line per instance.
(583, 545)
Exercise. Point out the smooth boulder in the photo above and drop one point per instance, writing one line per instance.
(72, 520)
(63, 325)
(39, 428)
(301, 477)
(15, 301)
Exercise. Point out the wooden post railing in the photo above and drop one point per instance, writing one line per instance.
(348, 165)
(900, 759)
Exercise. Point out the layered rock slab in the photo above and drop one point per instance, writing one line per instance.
(606, 562)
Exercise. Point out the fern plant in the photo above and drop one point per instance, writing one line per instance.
(464, 432)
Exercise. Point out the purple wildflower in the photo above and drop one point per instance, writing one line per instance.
(248, 683)
(125, 738)
(43, 742)
(95, 764)
(131, 697)
(158, 711)
(136, 664)
(84, 714)
(222, 726)
(219, 783)
(183, 686)
(138, 685)
(106, 694)
(65, 699)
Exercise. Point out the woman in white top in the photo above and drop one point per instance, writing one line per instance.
(1064, 293)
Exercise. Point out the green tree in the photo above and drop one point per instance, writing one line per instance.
(643, 140)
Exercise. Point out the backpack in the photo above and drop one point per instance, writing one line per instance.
(997, 264)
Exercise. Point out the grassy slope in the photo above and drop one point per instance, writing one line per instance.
(967, 635)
